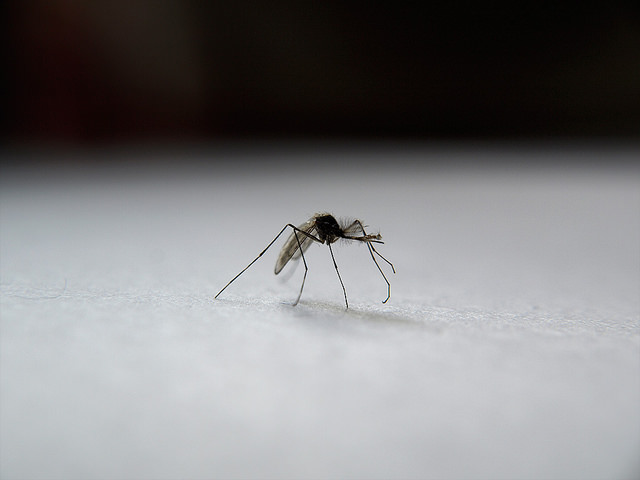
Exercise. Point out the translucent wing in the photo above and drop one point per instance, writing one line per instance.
(291, 249)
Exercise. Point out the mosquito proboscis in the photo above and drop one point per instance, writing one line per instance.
(321, 228)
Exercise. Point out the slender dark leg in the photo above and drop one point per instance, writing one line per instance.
(305, 266)
(295, 229)
(378, 253)
(373, 250)
(339, 277)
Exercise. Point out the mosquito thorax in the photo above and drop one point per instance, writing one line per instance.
(328, 229)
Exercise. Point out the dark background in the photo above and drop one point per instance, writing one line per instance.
(109, 72)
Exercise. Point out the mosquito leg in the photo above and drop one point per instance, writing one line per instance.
(339, 277)
(306, 269)
(378, 253)
(373, 250)
(254, 260)
(293, 247)
(296, 229)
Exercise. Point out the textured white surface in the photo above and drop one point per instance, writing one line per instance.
(510, 347)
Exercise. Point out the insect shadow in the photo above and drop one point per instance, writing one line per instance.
(321, 228)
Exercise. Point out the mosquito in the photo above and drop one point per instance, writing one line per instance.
(321, 228)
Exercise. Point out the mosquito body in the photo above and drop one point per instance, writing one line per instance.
(322, 228)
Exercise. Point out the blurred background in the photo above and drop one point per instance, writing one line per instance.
(197, 72)
(509, 347)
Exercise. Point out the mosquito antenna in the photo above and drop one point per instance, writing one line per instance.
(339, 277)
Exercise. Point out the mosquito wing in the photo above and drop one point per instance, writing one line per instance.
(291, 248)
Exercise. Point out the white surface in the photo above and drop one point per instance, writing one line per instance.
(510, 347)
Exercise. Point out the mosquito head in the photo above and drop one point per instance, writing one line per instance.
(328, 229)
